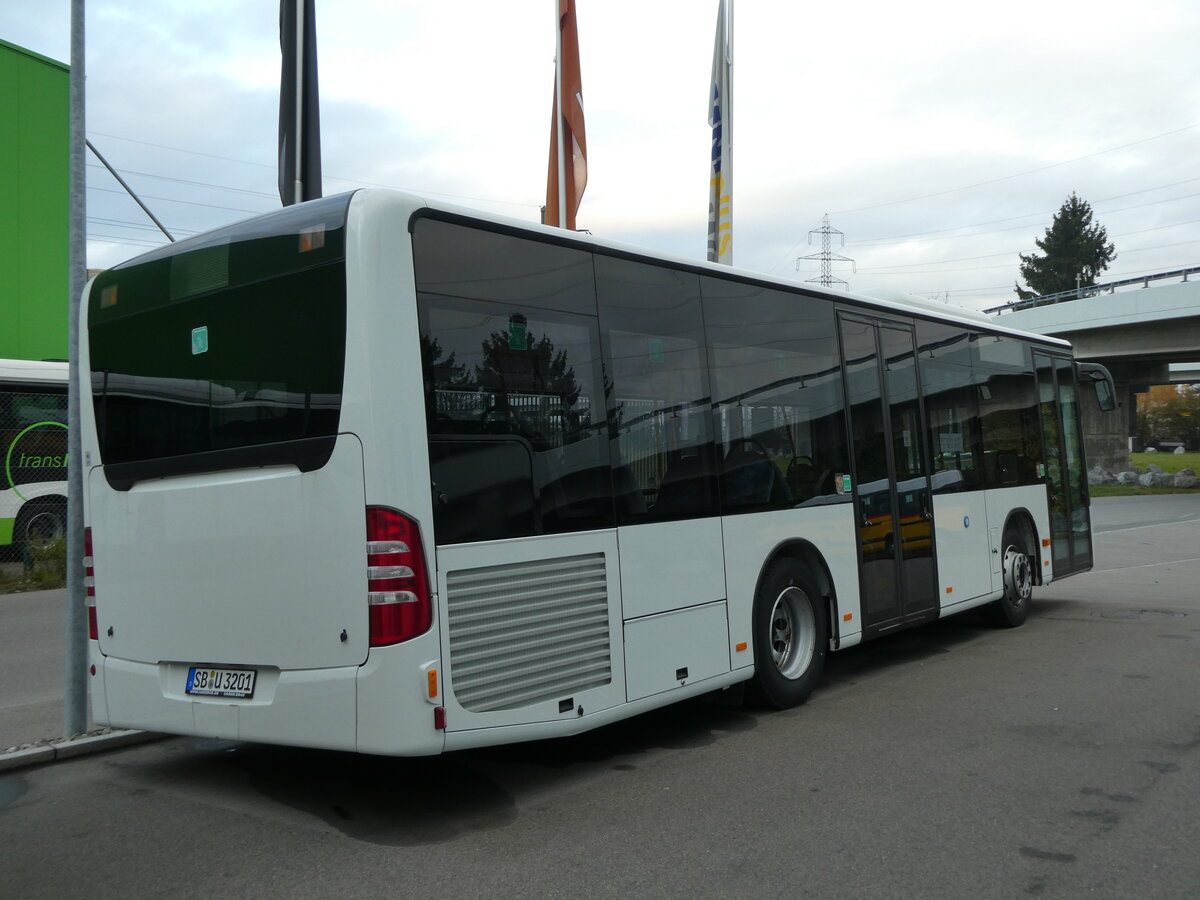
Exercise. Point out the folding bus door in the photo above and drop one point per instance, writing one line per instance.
(897, 571)
(1066, 474)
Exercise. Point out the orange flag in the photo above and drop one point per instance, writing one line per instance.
(574, 139)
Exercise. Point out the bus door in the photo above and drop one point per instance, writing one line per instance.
(1066, 475)
(897, 568)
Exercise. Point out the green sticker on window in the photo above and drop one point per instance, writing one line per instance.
(518, 335)
(846, 486)
(200, 340)
(656, 350)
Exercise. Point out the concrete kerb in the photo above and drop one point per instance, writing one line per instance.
(69, 748)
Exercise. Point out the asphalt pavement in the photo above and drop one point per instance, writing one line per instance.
(32, 629)
(1059, 759)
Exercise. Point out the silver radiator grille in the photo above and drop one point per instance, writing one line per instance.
(526, 632)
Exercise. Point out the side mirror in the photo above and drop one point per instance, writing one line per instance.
(1100, 379)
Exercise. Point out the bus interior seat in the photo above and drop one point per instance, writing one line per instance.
(686, 485)
(750, 478)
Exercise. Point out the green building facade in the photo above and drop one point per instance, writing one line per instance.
(34, 204)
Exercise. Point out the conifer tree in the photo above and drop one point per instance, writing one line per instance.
(1072, 247)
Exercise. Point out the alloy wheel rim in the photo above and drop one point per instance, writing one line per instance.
(792, 633)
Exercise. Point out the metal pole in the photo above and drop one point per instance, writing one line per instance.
(130, 192)
(75, 681)
(558, 119)
(298, 196)
(727, 117)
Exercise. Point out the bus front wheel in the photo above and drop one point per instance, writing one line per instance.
(1012, 609)
(790, 636)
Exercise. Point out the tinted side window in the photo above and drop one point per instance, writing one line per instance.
(1010, 434)
(460, 261)
(659, 401)
(777, 381)
(951, 407)
(514, 395)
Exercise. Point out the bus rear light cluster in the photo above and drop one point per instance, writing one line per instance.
(89, 583)
(399, 605)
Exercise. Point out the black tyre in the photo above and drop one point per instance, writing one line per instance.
(1012, 609)
(791, 629)
(41, 524)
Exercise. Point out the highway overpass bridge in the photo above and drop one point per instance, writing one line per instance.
(1146, 331)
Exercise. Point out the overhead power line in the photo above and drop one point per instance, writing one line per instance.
(327, 176)
(1065, 162)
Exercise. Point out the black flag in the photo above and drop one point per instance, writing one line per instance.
(299, 122)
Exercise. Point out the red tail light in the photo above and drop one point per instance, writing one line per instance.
(89, 583)
(399, 606)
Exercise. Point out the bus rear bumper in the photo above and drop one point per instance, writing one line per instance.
(303, 708)
(313, 707)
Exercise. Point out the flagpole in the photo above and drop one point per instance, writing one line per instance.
(298, 188)
(728, 135)
(558, 118)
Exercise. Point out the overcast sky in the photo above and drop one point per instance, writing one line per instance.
(941, 137)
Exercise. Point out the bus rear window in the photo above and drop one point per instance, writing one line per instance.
(223, 355)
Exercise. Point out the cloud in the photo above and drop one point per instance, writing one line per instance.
(903, 121)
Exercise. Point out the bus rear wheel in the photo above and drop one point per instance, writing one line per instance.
(790, 636)
(1012, 609)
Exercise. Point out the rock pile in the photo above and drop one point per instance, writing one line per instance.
(1152, 475)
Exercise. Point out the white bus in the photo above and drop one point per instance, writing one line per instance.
(376, 475)
(33, 454)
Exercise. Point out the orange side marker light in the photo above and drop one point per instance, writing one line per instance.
(433, 685)
(740, 646)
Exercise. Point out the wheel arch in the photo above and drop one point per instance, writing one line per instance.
(807, 554)
(1020, 520)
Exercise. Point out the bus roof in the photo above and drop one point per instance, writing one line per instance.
(32, 371)
(886, 299)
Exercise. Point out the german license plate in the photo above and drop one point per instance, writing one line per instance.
(208, 682)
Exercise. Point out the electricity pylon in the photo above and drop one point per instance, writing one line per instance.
(827, 256)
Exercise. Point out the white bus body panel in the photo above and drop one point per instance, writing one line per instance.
(1033, 500)
(670, 565)
(230, 580)
(960, 522)
(751, 539)
(962, 548)
(667, 651)
(487, 612)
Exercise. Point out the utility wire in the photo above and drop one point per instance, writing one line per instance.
(1065, 162)
(357, 181)
(92, 187)
(792, 252)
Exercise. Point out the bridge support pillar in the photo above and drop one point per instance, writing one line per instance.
(1106, 435)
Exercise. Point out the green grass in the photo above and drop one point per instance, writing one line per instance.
(49, 570)
(1136, 490)
(1170, 463)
